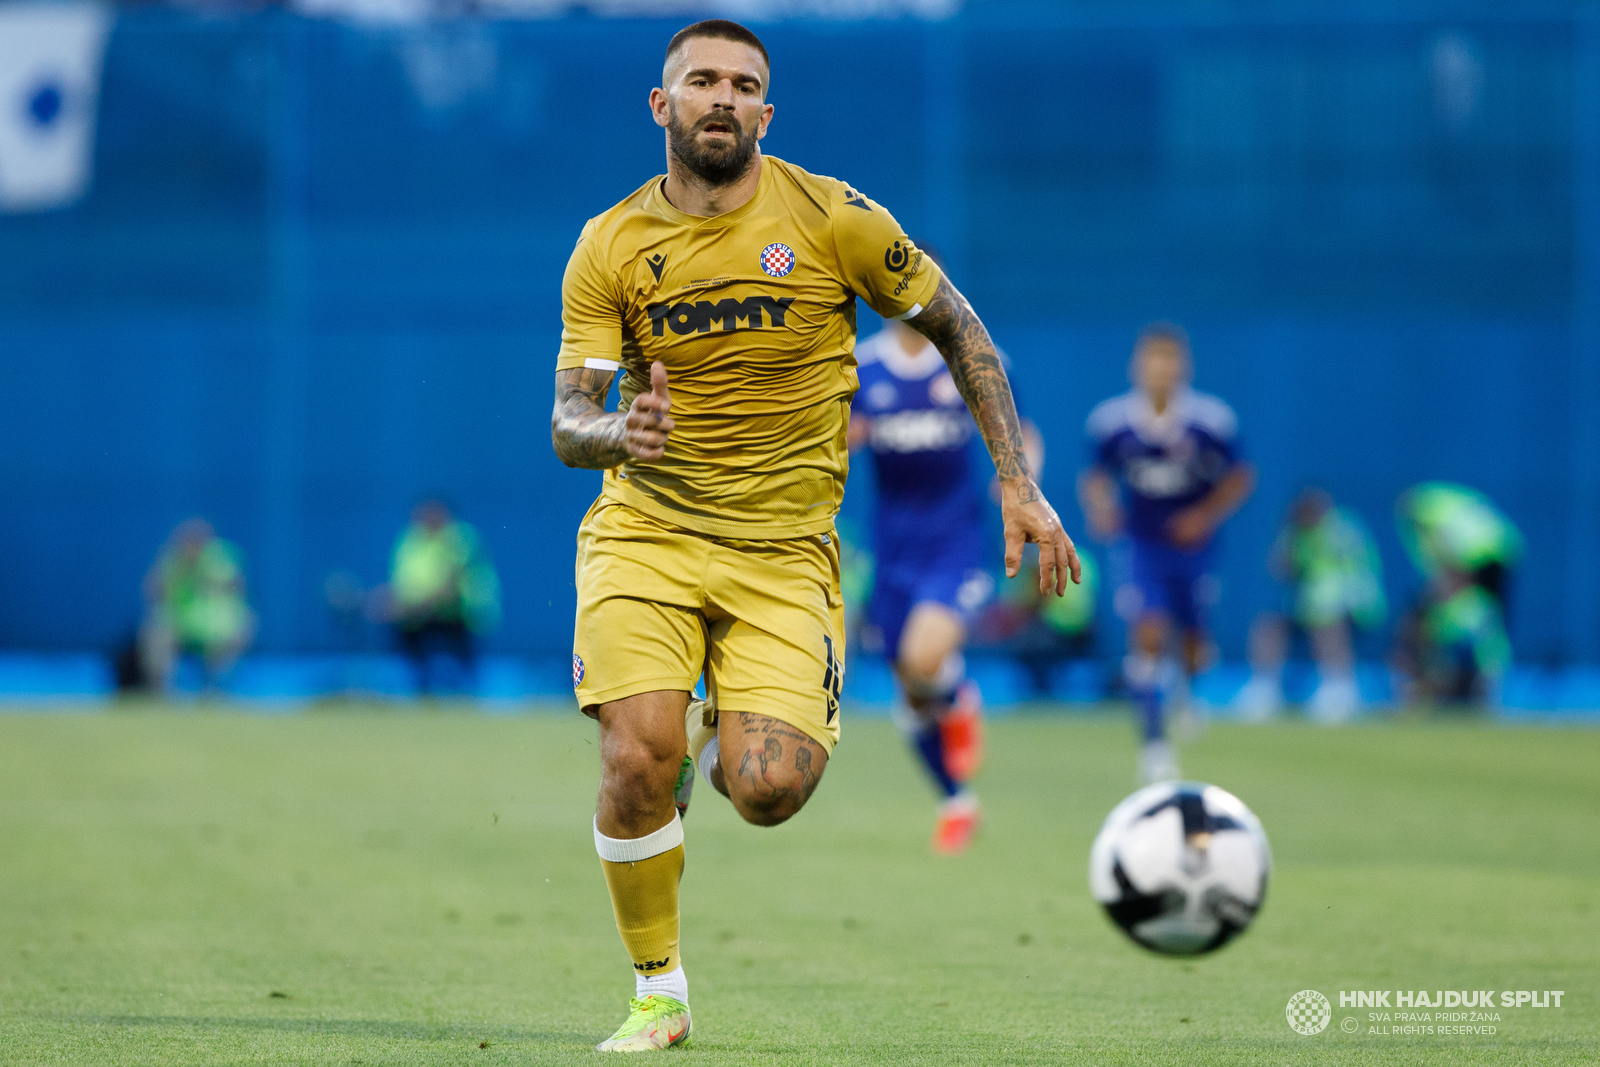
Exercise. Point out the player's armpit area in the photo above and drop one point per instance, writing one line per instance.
(955, 330)
(582, 432)
(770, 768)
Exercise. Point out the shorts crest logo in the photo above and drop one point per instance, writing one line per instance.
(577, 670)
(777, 259)
(1308, 1012)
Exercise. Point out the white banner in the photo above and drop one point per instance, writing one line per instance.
(51, 55)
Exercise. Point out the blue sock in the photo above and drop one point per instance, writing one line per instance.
(1144, 682)
(1150, 713)
(929, 743)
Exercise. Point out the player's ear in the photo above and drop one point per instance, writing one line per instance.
(659, 108)
(766, 117)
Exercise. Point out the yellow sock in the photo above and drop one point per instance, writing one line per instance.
(701, 728)
(642, 874)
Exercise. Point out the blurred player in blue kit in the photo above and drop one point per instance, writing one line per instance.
(1165, 472)
(928, 544)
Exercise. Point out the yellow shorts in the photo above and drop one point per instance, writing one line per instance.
(659, 605)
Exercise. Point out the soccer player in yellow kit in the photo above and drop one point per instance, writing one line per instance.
(725, 293)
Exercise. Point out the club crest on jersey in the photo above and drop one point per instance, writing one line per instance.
(577, 670)
(777, 259)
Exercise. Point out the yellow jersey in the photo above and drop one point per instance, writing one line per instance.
(753, 314)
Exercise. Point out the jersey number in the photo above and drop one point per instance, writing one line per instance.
(832, 678)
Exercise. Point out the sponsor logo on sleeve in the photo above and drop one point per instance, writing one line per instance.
(905, 259)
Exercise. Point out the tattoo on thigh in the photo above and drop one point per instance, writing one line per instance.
(762, 766)
(808, 778)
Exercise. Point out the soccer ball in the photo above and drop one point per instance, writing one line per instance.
(1181, 867)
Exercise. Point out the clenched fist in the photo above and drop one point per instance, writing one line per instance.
(645, 431)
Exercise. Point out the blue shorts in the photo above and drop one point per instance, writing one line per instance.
(1160, 579)
(937, 570)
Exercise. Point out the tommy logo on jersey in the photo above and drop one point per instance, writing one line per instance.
(777, 259)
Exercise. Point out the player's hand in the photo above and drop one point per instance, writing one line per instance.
(1029, 519)
(1190, 528)
(645, 431)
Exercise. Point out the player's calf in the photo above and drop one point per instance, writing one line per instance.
(769, 768)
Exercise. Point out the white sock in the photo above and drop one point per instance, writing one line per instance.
(674, 984)
(707, 759)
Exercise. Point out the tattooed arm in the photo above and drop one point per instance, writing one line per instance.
(953, 327)
(585, 434)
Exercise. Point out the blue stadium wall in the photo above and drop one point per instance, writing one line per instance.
(317, 274)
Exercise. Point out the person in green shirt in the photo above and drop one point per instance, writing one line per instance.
(443, 592)
(195, 605)
(1328, 559)
(1453, 646)
(1450, 529)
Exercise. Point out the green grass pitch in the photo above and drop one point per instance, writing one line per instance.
(393, 887)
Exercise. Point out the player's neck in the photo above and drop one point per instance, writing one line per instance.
(692, 195)
(1159, 402)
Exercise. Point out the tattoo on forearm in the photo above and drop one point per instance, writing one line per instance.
(583, 432)
(955, 330)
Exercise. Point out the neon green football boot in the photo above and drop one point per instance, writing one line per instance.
(656, 1022)
(683, 788)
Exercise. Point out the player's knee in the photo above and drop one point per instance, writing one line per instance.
(765, 792)
(1151, 636)
(921, 664)
(764, 808)
(640, 764)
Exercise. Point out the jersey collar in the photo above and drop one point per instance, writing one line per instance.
(658, 201)
(1163, 429)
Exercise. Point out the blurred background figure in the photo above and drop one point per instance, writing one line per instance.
(194, 605)
(929, 580)
(1453, 645)
(1165, 472)
(1042, 633)
(1329, 561)
(443, 593)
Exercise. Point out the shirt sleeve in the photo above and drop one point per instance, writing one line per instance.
(591, 311)
(880, 263)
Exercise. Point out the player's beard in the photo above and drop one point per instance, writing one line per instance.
(713, 164)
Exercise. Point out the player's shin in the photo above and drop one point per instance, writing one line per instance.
(1157, 760)
(700, 725)
(1143, 675)
(922, 733)
(927, 702)
(642, 875)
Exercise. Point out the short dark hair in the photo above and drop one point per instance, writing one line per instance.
(722, 30)
(1170, 332)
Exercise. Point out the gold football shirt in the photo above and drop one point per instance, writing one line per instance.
(753, 314)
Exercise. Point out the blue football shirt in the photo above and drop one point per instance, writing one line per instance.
(1164, 463)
